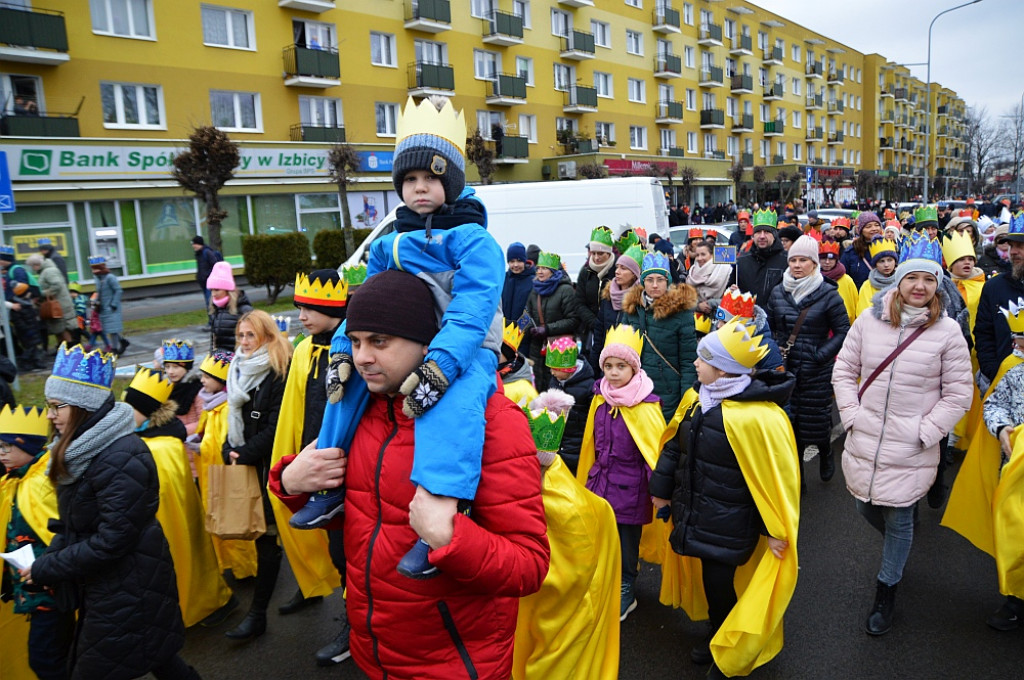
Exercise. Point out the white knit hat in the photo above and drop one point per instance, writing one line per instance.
(805, 246)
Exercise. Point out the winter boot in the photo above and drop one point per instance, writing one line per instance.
(415, 564)
(880, 619)
(1008, 616)
(336, 650)
(628, 602)
(826, 465)
(252, 626)
(700, 655)
(268, 565)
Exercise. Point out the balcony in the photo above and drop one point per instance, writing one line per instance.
(907, 145)
(578, 145)
(773, 93)
(886, 91)
(747, 159)
(814, 102)
(578, 46)
(903, 121)
(511, 150)
(904, 169)
(669, 112)
(308, 67)
(835, 137)
(835, 107)
(885, 143)
(426, 78)
(503, 29)
(43, 125)
(672, 151)
(778, 159)
(666, 20)
(772, 56)
(711, 76)
(742, 84)
(304, 132)
(743, 123)
(942, 110)
(712, 119)
(836, 77)
(668, 66)
(36, 36)
(813, 70)
(901, 94)
(576, 3)
(710, 35)
(888, 116)
(714, 154)
(774, 128)
(506, 90)
(742, 45)
(314, 6)
(815, 134)
(428, 16)
(580, 99)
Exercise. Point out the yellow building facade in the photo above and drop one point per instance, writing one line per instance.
(98, 96)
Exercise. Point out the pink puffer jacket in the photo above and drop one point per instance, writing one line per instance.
(893, 433)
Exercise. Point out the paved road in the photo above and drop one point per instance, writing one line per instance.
(948, 590)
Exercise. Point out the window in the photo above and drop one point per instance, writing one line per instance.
(382, 49)
(123, 18)
(780, 149)
(521, 8)
(764, 148)
(561, 23)
(762, 40)
(691, 99)
(320, 111)
(634, 42)
(386, 115)
(729, 28)
(664, 47)
(490, 122)
(314, 35)
(730, 107)
(126, 105)
(797, 86)
(429, 52)
(688, 57)
(236, 111)
(710, 143)
(765, 112)
(481, 9)
(528, 127)
(605, 133)
(486, 65)
(780, 115)
(635, 3)
(603, 84)
(762, 77)
(562, 123)
(688, 14)
(28, 88)
(564, 77)
(858, 130)
(691, 142)
(797, 152)
(730, 146)
(637, 90)
(602, 33)
(668, 138)
(637, 137)
(730, 67)
(796, 118)
(796, 53)
(225, 27)
(524, 68)
(666, 93)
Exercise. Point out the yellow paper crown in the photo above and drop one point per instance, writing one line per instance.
(884, 245)
(702, 322)
(152, 383)
(323, 293)
(216, 366)
(955, 245)
(1015, 315)
(624, 334)
(24, 420)
(740, 341)
(512, 335)
(424, 118)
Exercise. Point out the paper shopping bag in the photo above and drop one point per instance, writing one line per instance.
(234, 508)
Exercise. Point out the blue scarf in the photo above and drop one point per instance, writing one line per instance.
(546, 288)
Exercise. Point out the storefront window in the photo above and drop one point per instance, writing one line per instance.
(168, 225)
(234, 226)
(274, 214)
(24, 228)
(317, 212)
(37, 214)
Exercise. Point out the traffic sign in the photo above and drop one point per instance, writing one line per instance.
(810, 174)
(6, 189)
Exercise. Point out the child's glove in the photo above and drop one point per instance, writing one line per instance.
(422, 389)
(339, 369)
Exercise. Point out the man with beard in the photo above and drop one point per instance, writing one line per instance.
(760, 270)
(992, 337)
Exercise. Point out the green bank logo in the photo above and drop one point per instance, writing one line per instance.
(35, 162)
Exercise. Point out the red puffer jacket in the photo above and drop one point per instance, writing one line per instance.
(460, 624)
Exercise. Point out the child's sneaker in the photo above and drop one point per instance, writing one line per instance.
(415, 564)
(319, 510)
(628, 602)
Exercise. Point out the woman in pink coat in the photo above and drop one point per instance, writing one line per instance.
(893, 429)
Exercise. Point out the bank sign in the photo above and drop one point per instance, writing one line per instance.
(80, 162)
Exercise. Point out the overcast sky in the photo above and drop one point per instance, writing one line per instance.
(974, 49)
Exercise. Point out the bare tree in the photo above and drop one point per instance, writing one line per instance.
(735, 173)
(1012, 134)
(592, 171)
(687, 176)
(481, 155)
(342, 165)
(865, 182)
(208, 164)
(758, 175)
(982, 138)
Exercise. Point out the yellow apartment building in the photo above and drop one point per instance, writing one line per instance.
(98, 95)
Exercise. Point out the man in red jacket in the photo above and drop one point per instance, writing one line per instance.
(461, 623)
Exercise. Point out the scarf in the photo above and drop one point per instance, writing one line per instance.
(632, 393)
(976, 274)
(222, 302)
(184, 394)
(615, 294)
(714, 394)
(709, 278)
(801, 288)
(212, 400)
(244, 375)
(462, 211)
(909, 315)
(113, 421)
(546, 288)
(603, 270)
(836, 273)
(881, 282)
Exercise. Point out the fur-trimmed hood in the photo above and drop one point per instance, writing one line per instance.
(677, 298)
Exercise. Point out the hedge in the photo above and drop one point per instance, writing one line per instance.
(329, 246)
(273, 260)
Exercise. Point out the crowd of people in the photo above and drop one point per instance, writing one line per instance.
(480, 455)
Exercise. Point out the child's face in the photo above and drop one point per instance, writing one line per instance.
(13, 457)
(886, 266)
(422, 191)
(74, 294)
(561, 374)
(706, 373)
(211, 384)
(617, 372)
(174, 372)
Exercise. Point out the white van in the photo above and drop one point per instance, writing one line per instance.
(559, 216)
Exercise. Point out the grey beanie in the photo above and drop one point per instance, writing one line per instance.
(82, 395)
(80, 378)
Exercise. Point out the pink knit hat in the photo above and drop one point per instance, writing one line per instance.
(221, 277)
(805, 246)
(621, 351)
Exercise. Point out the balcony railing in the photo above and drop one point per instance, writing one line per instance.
(836, 77)
(311, 67)
(715, 154)
(778, 159)
(773, 55)
(305, 132)
(507, 89)
(580, 99)
(942, 110)
(885, 142)
(743, 123)
(813, 70)
(712, 118)
(510, 147)
(430, 16)
(673, 151)
(742, 44)
(774, 92)
(814, 101)
(747, 159)
(42, 125)
(835, 106)
(815, 134)
(900, 94)
(710, 34)
(668, 66)
(774, 128)
(32, 30)
(669, 111)
(503, 28)
(742, 83)
(835, 137)
(711, 76)
(578, 45)
(428, 78)
(665, 20)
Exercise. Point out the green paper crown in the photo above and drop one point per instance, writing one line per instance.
(854, 214)
(765, 218)
(562, 352)
(602, 235)
(549, 260)
(926, 214)
(636, 253)
(547, 429)
(627, 240)
(354, 276)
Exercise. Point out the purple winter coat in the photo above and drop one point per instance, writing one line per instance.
(620, 474)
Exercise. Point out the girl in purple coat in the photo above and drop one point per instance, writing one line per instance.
(621, 445)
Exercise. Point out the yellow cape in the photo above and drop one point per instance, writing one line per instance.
(969, 509)
(848, 291)
(645, 423)
(765, 446)
(570, 627)
(867, 291)
(307, 551)
(238, 556)
(1008, 514)
(970, 291)
(201, 590)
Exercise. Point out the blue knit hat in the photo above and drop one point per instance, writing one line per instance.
(516, 251)
(654, 263)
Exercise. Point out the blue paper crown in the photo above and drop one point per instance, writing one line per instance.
(917, 246)
(655, 262)
(6, 250)
(94, 368)
(96, 259)
(179, 350)
(1017, 223)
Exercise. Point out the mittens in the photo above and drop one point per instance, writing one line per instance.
(339, 368)
(422, 389)
(539, 331)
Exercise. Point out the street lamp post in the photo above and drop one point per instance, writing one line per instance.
(1016, 170)
(928, 94)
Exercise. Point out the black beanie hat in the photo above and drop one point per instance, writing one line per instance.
(791, 233)
(322, 277)
(394, 303)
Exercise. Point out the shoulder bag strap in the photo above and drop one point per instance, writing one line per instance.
(888, 360)
(796, 331)
(658, 352)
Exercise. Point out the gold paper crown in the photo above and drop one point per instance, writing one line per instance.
(624, 334)
(424, 118)
(152, 383)
(25, 420)
(883, 245)
(215, 367)
(955, 245)
(512, 335)
(316, 292)
(740, 341)
(702, 323)
(1015, 315)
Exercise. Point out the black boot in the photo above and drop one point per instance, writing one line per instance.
(268, 565)
(880, 619)
(937, 494)
(826, 465)
(298, 603)
(252, 626)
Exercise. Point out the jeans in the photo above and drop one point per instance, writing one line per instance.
(629, 540)
(206, 295)
(49, 640)
(897, 527)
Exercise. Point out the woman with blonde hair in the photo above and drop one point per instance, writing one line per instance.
(255, 387)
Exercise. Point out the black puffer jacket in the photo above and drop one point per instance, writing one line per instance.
(714, 515)
(112, 552)
(560, 314)
(588, 290)
(223, 322)
(759, 271)
(992, 264)
(607, 316)
(812, 356)
(580, 386)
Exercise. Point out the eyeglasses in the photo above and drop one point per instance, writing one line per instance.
(53, 408)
